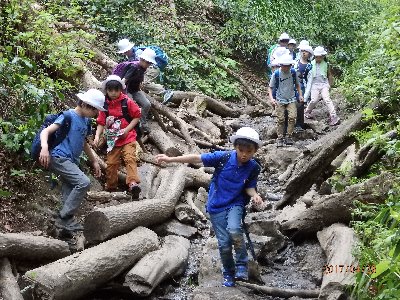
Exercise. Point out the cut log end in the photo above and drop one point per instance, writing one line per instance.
(96, 227)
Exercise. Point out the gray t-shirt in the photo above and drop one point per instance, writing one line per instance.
(285, 93)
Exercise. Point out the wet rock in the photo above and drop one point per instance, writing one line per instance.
(174, 227)
(333, 291)
(316, 126)
(210, 268)
(266, 247)
(278, 158)
(263, 223)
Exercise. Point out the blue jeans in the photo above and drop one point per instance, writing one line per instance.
(229, 232)
(75, 184)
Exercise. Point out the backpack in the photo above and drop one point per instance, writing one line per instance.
(269, 54)
(120, 68)
(218, 169)
(303, 77)
(275, 89)
(125, 115)
(161, 56)
(55, 138)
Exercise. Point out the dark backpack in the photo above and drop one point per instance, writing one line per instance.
(222, 163)
(275, 89)
(54, 139)
(125, 115)
(161, 56)
(120, 68)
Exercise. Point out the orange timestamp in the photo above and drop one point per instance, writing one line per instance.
(329, 269)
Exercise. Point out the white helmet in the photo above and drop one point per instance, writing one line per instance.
(110, 78)
(246, 133)
(274, 63)
(303, 43)
(94, 98)
(292, 41)
(124, 45)
(286, 60)
(319, 51)
(149, 55)
(309, 49)
(284, 36)
(279, 51)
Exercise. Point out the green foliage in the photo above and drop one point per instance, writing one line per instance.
(380, 246)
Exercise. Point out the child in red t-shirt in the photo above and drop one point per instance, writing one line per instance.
(125, 145)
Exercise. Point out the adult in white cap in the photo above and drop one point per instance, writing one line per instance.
(62, 157)
(126, 47)
(234, 183)
(282, 86)
(133, 76)
(319, 84)
(303, 68)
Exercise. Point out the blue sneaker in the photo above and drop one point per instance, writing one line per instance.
(167, 96)
(241, 273)
(229, 281)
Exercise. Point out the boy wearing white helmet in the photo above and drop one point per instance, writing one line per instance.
(291, 46)
(283, 41)
(125, 47)
(63, 159)
(233, 184)
(303, 68)
(282, 92)
(127, 113)
(133, 76)
(319, 84)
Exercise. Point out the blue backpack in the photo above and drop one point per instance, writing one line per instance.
(54, 139)
(161, 56)
(276, 74)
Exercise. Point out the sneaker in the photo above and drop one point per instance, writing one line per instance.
(289, 140)
(241, 273)
(69, 224)
(308, 115)
(334, 120)
(168, 96)
(280, 142)
(229, 281)
(134, 189)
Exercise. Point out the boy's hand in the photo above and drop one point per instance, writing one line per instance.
(97, 169)
(161, 157)
(257, 200)
(44, 157)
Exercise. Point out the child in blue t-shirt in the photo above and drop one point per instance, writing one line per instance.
(233, 183)
(64, 158)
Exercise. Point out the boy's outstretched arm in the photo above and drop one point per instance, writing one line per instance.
(257, 200)
(188, 158)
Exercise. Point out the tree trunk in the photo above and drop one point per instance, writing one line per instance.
(336, 208)
(162, 141)
(105, 223)
(338, 242)
(107, 196)
(32, 248)
(76, 275)
(308, 168)
(169, 261)
(9, 289)
(278, 292)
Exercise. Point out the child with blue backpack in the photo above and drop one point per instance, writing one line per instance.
(303, 68)
(283, 41)
(319, 84)
(153, 72)
(283, 86)
(234, 183)
(63, 159)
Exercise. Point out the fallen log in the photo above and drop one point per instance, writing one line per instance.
(162, 141)
(278, 292)
(107, 196)
(76, 275)
(336, 208)
(338, 242)
(32, 248)
(316, 160)
(9, 289)
(189, 199)
(197, 178)
(169, 261)
(105, 223)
